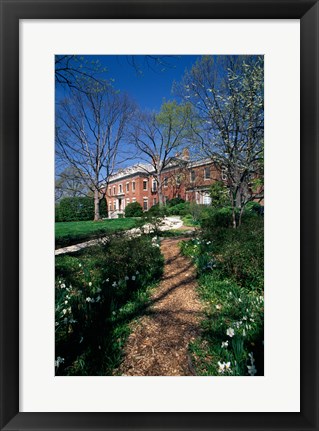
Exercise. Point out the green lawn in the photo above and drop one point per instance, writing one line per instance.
(68, 233)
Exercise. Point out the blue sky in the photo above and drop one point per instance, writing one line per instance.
(149, 88)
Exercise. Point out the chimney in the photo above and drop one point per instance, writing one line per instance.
(185, 154)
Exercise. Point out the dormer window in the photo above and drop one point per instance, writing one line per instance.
(224, 173)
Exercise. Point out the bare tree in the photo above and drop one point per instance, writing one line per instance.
(90, 127)
(227, 95)
(157, 137)
(78, 73)
(69, 183)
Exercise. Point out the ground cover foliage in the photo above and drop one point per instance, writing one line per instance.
(99, 292)
(230, 268)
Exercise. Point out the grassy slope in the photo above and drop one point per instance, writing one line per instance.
(68, 233)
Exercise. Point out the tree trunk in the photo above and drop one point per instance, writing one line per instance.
(96, 205)
(233, 204)
(159, 191)
(234, 218)
(240, 215)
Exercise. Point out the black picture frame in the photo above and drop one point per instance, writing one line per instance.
(11, 12)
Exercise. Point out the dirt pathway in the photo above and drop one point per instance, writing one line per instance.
(158, 346)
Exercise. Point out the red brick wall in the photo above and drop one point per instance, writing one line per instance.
(179, 184)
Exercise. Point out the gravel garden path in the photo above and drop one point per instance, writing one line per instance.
(158, 344)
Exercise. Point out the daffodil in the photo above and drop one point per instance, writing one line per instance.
(230, 332)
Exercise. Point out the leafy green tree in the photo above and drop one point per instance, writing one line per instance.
(219, 194)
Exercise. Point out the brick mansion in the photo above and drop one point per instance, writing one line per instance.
(189, 180)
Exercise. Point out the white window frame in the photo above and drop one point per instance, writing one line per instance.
(224, 173)
(145, 182)
(120, 188)
(154, 183)
(145, 200)
(205, 177)
(133, 186)
(206, 196)
(128, 186)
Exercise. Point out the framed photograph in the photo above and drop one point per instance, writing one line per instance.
(126, 125)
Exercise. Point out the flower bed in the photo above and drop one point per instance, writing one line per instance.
(230, 277)
(98, 293)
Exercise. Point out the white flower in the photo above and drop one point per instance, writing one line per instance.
(251, 370)
(90, 284)
(80, 265)
(113, 313)
(126, 278)
(225, 344)
(244, 333)
(62, 286)
(88, 299)
(137, 272)
(230, 332)
(107, 279)
(208, 242)
(65, 302)
(56, 323)
(218, 306)
(64, 311)
(225, 366)
(251, 357)
(60, 281)
(58, 361)
(114, 284)
(221, 367)
(239, 300)
(133, 277)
